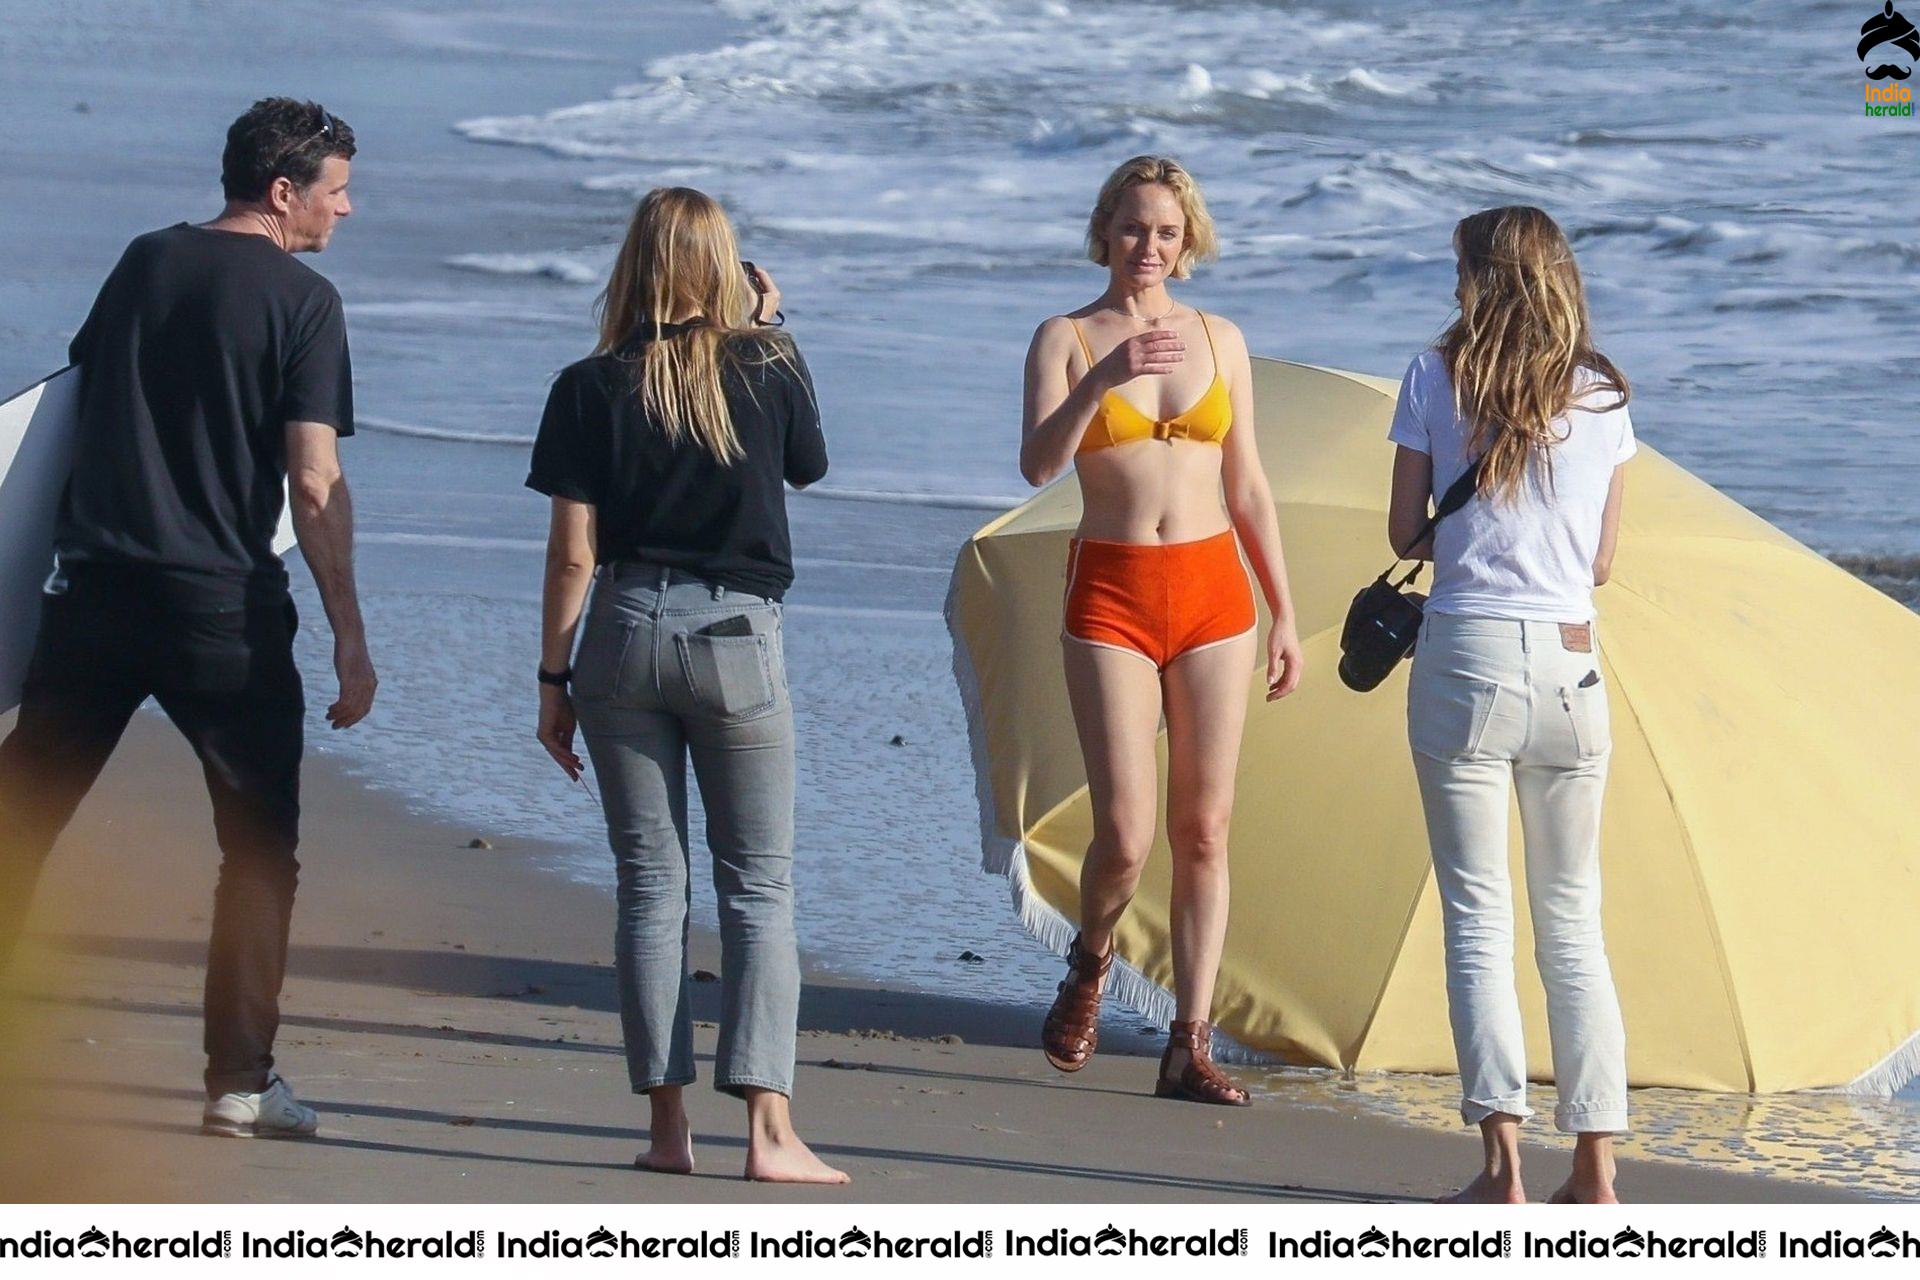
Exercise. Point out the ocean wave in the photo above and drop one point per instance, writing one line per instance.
(1658, 137)
(459, 35)
(450, 435)
(1316, 89)
(1366, 81)
(1049, 134)
(473, 542)
(550, 266)
(457, 309)
(1738, 243)
(870, 566)
(1667, 231)
(1262, 83)
(908, 229)
(1896, 575)
(1899, 252)
(1808, 267)
(1778, 301)
(1409, 182)
(902, 228)
(875, 613)
(871, 73)
(905, 498)
(450, 541)
(638, 184)
(822, 493)
(900, 160)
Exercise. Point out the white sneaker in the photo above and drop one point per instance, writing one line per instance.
(271, 1113)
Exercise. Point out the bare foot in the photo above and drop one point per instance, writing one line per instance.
(1488, 1189)
(1571, 1192)
(787, 1159)
(1591, 1181)
(672, 1148)
(663, 1159)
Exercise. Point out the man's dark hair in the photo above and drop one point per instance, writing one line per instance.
(280, 138)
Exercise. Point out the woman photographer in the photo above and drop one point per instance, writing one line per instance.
(1506, 688)
(665, 454)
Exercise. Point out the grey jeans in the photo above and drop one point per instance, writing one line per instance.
(671, 668)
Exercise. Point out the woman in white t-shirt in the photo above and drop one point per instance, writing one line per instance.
(1506, 688)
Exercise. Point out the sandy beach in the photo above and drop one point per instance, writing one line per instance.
(450, 1012)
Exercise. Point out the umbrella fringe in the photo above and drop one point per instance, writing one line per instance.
(1125, 983)
(997, 852)
(1888, 1076)
(1055, 932)
(1002, 856)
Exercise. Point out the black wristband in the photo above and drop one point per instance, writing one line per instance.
(559, 679)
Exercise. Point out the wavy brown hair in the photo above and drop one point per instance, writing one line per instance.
(1520, 342)
(1200, 244)
(680, 259)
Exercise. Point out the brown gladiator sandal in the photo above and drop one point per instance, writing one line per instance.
(1072, 1030)
(1199, 1080)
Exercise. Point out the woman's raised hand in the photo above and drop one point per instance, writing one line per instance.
(1153, 352)
(769, 296)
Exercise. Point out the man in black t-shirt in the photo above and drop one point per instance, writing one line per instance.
(214, 379)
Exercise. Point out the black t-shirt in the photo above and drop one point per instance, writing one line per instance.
(675, 504)
(200, 349)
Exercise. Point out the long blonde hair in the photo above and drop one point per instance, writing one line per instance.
(1520, 342)
(1200, 243)
(680, 258)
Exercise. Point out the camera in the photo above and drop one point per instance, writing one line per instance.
(1383, 623)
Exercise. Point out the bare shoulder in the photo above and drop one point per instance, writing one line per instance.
(1052, 330)
(1225, 332)
(1230, 346)
(1054, 338)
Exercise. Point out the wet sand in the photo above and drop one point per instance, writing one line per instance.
(451, 1014)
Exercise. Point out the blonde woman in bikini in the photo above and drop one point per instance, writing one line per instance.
(1151, 402)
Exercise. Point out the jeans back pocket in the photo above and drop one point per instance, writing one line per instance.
(729, 676)
(1448, 714)
(597, 667)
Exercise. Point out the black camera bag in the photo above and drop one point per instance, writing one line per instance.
(1383, 622)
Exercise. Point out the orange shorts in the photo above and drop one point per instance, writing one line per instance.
(1158, 600)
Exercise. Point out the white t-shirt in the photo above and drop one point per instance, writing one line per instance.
(1531, 558)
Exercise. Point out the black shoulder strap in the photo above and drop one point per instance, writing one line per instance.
(1458, 494)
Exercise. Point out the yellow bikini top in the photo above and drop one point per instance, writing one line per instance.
(1118, 422)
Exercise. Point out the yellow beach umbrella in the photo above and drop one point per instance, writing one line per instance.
(1761, 853)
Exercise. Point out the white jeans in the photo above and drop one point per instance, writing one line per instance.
(1492, 700)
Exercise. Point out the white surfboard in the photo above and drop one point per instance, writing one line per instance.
(36, 454)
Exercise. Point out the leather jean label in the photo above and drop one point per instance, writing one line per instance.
(1576, 637)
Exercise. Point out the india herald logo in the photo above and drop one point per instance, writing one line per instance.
(1887, 30)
